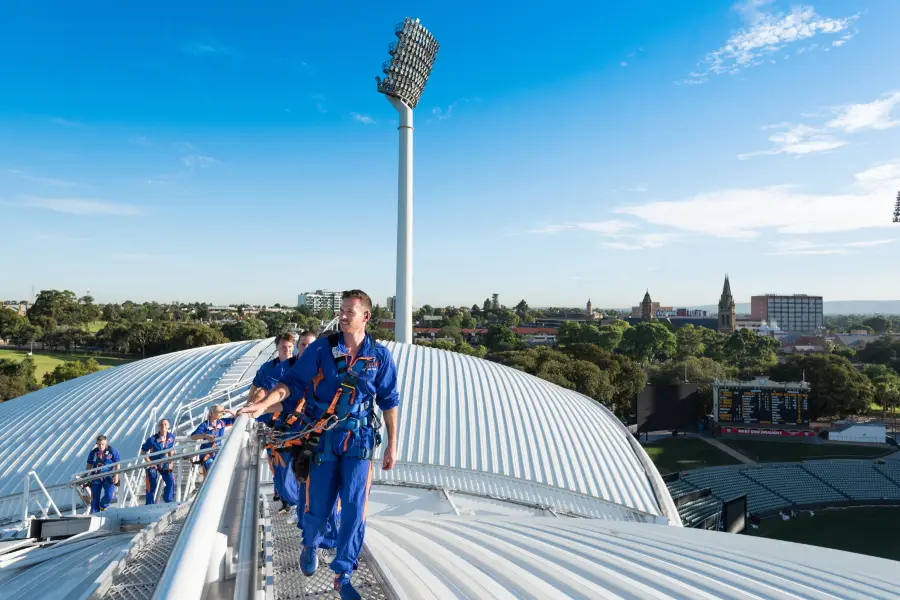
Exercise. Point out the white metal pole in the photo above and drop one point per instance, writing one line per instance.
(403, 309)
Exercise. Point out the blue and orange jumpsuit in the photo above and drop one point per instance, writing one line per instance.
(103, 490)
(217, 430)
(159, 471)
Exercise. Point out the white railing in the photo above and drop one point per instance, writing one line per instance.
(193, 551)
(27, 497)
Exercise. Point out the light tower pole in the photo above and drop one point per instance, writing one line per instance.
(405, 75)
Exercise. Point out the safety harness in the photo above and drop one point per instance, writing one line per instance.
(325, 417)
(291, 361)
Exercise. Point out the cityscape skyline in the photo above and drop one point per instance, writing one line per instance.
(635, 147)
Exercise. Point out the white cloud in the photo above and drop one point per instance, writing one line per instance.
(874, 115)
(81, 206)
(21, 174)
(207, 49)
(442, 114)
(603, 227)
(838, 43)
(364, 119)
(621, 246)
(800, 139)
(746, 213)
(195, 160)
(763, 35)
(637, 188)
(804, 247)
(623, 64)
(641, 241)
(66, 122)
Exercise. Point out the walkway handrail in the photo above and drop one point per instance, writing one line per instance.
(137, 463)
(183, 576)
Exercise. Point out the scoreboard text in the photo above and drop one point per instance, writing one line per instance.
(763, 406)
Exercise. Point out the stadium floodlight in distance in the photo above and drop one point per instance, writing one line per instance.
(897, 209)
(405, 75)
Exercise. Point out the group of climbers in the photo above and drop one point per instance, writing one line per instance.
(321, 407)
(324, 409)
(160, 445)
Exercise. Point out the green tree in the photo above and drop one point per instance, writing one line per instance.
(836, 388)
(17, 377)
(689, 342)
(626, 376)
(879, 324)
(88, 311)
(10, 323)
(246, 329)
(748, 351)
(70, 370)
(646, 342)
(500, 338)
(609, 337)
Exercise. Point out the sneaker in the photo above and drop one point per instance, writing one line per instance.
(283, 510)
(309, 561)
(343, 586)
(292, 517)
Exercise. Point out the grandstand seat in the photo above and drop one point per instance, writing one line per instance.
(795, 484)
(857, 479)
(728, 483)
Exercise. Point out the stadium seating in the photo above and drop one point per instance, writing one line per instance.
(727, 483)
(858, 479)
(793, 483)
(694, 513)
(891, 470)
(679, 488)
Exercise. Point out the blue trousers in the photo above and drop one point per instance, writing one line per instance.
(283, 476)
(349, 478)
(206, 461)
(103, 491)
(153, 478)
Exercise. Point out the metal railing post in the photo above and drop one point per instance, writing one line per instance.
(51, 503)
(180, 482)
(25, 498)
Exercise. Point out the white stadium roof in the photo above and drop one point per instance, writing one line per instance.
(492, 462)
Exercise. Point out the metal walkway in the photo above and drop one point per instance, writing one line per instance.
(138, 574)
(291, 584)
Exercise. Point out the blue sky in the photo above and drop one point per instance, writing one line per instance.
(210, 151)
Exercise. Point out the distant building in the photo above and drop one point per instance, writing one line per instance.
(20, 307)
(320, 300)
(392, 304)
(726, 310)
(590, 309)
(750, 323)
(495, 301)
(797, 313)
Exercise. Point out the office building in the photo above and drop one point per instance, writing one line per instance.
(392, 304)
(320, 299)
(797, 313)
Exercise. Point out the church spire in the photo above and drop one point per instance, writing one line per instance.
(727, 318)
(726, 289)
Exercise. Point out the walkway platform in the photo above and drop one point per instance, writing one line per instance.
(291, 584)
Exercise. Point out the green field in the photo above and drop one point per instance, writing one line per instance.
(680, 454)
(872, 531)
(776, 451)
(95, 326)
(45, 362)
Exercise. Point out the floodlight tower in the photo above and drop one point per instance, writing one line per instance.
(897, 209)
(405, 75)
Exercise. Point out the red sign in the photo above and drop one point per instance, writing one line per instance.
(784, 432)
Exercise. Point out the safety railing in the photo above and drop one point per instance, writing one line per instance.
(130, 471)
(198, 543)
(28, 496)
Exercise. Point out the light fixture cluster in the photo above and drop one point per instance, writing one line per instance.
(897, 209)
(412, 57)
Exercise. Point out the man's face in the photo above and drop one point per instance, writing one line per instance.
(213, 416)
(305, 341)
(285, 349)
(101, 445)
(354, 316)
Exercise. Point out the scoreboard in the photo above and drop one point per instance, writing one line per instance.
(762, 406)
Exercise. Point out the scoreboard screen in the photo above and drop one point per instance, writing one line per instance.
(763, 406)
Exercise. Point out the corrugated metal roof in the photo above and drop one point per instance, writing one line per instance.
(468, 413)
(543, 558)
(52, 430)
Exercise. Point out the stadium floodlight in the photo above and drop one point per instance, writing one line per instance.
(897, 209)
(405, 75)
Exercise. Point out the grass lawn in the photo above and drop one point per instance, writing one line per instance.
(681, 454)
(872, 531)
(95, 326)
(45, 362)
(776, 451)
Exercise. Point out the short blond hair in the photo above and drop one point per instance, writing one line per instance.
(216, 408)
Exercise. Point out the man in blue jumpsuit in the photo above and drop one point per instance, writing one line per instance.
(156, 445)
(267, 377)
(342, 377)
(103, 491)
(211, 430)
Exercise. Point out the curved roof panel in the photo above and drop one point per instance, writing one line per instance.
(467, 413)
(544, 557)
(51, 430)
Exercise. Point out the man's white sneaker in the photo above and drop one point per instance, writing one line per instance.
(292, 517)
